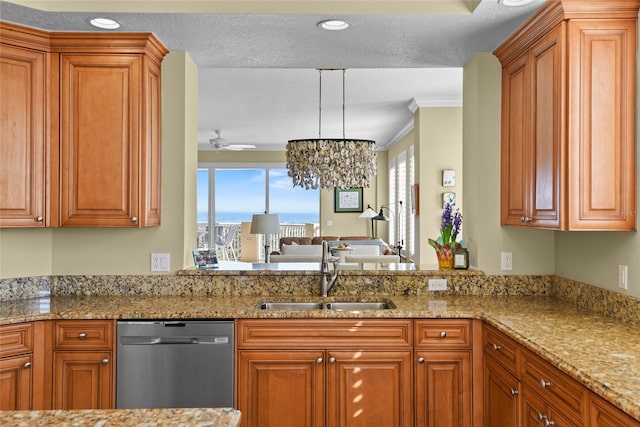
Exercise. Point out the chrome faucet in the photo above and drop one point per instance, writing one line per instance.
(327, 283)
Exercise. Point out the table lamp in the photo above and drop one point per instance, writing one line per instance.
(265, 224)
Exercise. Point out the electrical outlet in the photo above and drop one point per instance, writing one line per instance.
(160, 262)
(506, 261)
(437, 284)
(622, 276)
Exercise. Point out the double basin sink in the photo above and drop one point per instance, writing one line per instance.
(330, 305)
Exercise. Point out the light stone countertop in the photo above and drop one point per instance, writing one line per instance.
(188, 417)
(602, 353)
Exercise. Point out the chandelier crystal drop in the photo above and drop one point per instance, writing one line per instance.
(329, 162)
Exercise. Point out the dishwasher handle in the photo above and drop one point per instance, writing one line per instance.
(138, 340)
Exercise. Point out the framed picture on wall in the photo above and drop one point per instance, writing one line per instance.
(348, 199)
(449, 198)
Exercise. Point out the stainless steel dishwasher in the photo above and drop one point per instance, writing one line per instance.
(174, 364)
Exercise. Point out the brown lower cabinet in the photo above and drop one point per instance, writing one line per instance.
(16, 382)
(325, 372)
(522, 389)
(501, 396)
(83, 373)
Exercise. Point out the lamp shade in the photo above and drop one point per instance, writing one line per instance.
(381, 216)
(265, 224)
(368, 213)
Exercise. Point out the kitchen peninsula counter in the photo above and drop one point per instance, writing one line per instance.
(188, 417)
(600, 352)
(590, 333)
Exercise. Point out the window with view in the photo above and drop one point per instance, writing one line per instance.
(228, 195)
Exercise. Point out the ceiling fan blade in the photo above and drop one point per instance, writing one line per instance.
(238, 147)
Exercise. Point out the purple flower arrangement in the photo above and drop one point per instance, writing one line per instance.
(449, 228)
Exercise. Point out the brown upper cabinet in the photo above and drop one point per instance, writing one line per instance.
(82, 124)
(568, 118)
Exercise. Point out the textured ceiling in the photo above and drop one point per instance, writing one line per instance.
(257, 71)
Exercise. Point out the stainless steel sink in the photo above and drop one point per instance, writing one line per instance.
(359, 305)
(291, 306)
(332, 305)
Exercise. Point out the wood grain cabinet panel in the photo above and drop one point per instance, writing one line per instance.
(604, 414)
(16, 382)
(366, 388)
(82, 380)
(24, 159)
(502, 393)
(568, 118)
(443, 388)
(16, 366)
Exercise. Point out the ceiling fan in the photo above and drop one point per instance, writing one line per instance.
(221, 143)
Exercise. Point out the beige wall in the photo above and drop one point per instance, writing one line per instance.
(127, 251)
(438, 134)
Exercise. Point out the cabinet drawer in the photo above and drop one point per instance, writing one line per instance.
(16, 339)
(503, 349)
(343, 333)
(83, 335)
(554, 386)
(443, 334)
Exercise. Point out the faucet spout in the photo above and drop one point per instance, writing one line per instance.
(326, 282)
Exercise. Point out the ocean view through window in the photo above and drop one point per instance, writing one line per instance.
(229, 195)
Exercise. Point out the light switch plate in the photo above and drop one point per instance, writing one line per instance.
(160, 262)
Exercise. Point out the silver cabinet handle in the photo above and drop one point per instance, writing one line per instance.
(27, 365)
(496, 347)
(544, 383)
(39, 219)
(443, 334)
(332, 360)
(105, 361)
(420, 359)
(82, 335)
(134, 219)
(514, 392)
(545, 418)
(319, 360)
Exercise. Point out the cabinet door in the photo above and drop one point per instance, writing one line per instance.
(547, 101)
(22, 126)
(536, 413)
(82, 380)
(100, 125)
(603, 414)
(515, 155)
(15, 383)
(501, 396)
(601, 115)
(443, 388)
(369, 388)
(281, 388)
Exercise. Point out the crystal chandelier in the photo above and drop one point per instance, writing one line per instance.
(329, 162)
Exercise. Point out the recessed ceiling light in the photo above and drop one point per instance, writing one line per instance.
(105, 23)
(333, 24)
